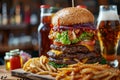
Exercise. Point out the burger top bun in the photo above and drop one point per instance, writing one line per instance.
(72, 15)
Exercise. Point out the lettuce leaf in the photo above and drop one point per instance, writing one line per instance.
(56, 65)
(75, 40)
(86, 36)
(63, 37)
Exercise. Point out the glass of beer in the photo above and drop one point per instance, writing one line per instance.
(108, 26)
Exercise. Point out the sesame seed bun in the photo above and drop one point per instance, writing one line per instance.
(71, 16)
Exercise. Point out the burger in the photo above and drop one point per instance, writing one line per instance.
(73, 37)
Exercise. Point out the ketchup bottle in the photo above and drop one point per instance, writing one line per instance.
(44, 29)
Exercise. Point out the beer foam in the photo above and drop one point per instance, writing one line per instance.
(108, 15)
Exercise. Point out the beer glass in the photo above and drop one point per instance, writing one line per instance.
(108, 26)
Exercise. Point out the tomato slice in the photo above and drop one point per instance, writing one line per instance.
(88, 42)
(57, 43)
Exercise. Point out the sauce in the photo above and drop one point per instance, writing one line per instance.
(15, 61)
(7, 60)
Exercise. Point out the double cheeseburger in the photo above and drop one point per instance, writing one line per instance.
(73, 35)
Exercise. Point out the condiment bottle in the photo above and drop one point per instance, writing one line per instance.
(44, 29)
(15, 60)
(7, 60)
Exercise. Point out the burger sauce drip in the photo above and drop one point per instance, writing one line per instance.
(43, 32)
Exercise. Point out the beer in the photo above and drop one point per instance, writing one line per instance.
(108, 33)
(108, 36)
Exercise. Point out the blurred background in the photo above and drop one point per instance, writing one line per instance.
(19, 20)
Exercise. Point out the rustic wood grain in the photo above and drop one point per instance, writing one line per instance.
(26, 75)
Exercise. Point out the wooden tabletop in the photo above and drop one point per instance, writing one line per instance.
(6, 74)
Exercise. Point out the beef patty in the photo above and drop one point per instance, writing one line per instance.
(70, 48)
(91, 59)
(71, 53)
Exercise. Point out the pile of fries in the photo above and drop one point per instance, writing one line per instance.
(82, 71)
(39, 66)
(78, 71)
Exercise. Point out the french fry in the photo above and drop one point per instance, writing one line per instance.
(36, 62)
(27, 64)
(45, 59)
(53, 74)
(54, 69)
(86, 70)
(109, 77)
(100, 75)
(43, 66)
(27, 69)
(87, 77)
(72, 75)
(40, 69)
(66, 69)
(43, 73)
(48, 67)
(32, 65)
(67, 78)
(78, 76)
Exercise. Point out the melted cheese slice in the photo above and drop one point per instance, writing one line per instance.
(56, 52)
(65, 59)
(91, 48)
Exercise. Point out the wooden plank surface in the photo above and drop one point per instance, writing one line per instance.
(26, 75)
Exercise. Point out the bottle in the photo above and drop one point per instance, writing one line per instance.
(4, 14)
(44, 29)
(27, 14)
(12, 16)
(15, 59)
(17, 15)
(33, 18)
(7, 61)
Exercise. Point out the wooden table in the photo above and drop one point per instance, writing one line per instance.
(6, 74)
